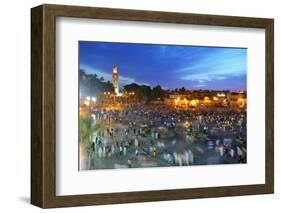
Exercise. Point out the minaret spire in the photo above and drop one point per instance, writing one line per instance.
(115, 79)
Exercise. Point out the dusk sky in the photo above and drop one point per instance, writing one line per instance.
(170, 66)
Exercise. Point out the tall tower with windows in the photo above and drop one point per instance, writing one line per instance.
(115, 79)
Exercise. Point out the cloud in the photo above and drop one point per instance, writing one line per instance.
(216, 65)
(199, 85)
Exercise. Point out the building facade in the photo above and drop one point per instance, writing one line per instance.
(237, 99)
(206, 99)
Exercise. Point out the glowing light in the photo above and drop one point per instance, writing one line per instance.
(94, 99)
(177, 101)
(241, 100)
(186, 124)
(221, 95)
(207, 100)
(215, 98)
(194, 102)
(87, 102)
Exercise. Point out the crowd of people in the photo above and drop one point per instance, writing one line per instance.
(159, 135)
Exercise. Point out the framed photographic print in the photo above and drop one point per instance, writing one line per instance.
(137, 106)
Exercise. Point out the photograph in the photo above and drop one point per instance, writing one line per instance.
(140, 105)
(155, 105)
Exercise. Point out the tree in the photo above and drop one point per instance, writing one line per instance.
(131, 87)
(92, 85)
(182, 90)
(142, 91)
(86, 130)
(145, 92)
(157, 93)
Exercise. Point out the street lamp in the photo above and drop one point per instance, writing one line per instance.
(91, 100)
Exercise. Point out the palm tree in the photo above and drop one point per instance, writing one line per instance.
(86, 130)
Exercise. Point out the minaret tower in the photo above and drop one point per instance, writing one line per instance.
(115, 80)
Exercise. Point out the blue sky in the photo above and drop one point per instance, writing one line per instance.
(170, 66)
